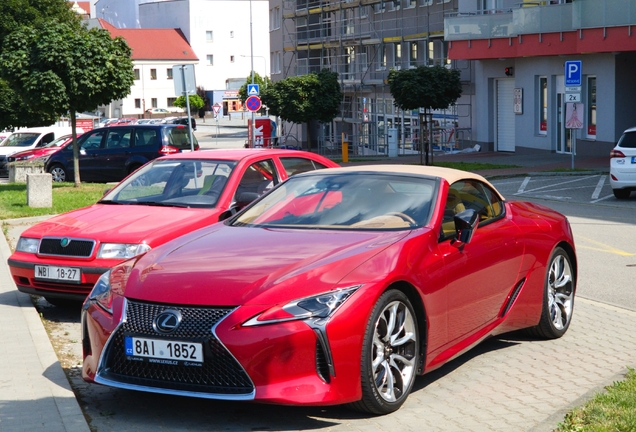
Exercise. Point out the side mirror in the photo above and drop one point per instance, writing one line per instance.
(228, 214)
(465, 225)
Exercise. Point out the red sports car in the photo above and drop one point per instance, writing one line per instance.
(338, 286)
(62, 258)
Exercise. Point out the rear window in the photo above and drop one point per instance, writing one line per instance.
(179, 137)
(628, 140)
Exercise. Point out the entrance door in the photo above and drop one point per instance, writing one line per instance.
(564, 144)
(505, 119)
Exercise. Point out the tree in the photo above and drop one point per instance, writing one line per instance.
(196, 103)
(14, 112)
(425, 87)
(305, 98)
(65, 69)
(263, 83)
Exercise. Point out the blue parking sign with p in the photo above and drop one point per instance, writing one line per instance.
(573, 73)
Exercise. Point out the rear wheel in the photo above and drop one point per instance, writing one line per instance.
(389, 355)
(58, 173)
(622, 193)
(558, 297)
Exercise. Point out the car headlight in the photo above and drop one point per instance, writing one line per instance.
(113, 281)
(318, 306)
(28, 245)
(21, 158)
(121, 250)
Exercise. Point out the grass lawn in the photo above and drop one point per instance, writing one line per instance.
(66, 197)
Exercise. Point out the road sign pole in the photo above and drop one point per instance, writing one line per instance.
(187, 98)
(252, 62)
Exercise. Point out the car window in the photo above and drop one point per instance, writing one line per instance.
(93, 140)
(20, 139)
(46, 139)
(258, 178)
(295, 165)
(179, 137)
(118, 138)
(627, 140)
(146, 137)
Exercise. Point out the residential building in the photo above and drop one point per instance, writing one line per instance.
(223, 33)
(363, 40)
(523, 96)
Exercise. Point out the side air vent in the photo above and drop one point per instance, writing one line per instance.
(512, 297)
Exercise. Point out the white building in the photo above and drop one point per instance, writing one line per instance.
(220, 32)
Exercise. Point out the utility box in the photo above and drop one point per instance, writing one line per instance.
(392, 137)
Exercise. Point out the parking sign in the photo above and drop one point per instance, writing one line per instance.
(573, 73)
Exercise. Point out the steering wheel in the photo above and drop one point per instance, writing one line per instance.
(405, 217)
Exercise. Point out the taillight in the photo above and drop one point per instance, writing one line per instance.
(616, 154)
(166, 150)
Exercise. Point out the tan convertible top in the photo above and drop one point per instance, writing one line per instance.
(449, 174)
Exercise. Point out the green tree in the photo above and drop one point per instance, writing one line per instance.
(65, 69)
(263, 84)
(425, 87)
(305, 98)
(14, 112)
(196, 103)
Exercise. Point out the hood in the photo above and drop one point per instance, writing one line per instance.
(9, 150)
(228, 266)
(36, 152)
(124, 223)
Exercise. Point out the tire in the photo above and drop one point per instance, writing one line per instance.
(558, 297)
(389, 355)
(58, 173)
(64, 303)
(622, 193)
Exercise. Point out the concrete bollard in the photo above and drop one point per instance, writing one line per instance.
(39, 190)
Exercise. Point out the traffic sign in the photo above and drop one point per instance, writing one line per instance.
(253, 103)
(573, 97)
(252, 90)
(216, 109)
(573, 73)
(573, 89)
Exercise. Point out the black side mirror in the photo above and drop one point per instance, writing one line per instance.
(465, 225)
(228, 214)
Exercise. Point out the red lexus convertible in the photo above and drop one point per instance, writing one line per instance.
(338, 286)
(62, 258)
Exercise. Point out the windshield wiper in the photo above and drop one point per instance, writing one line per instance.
(110, 202)
(161, 204)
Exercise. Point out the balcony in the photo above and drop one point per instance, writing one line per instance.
(533, 18)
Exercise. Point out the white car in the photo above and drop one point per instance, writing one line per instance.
(157, 111)
(623, 165)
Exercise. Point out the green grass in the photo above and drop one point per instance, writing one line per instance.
(473, 166)
(66, 197)
(613, 410)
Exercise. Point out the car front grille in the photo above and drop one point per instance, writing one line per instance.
(220, 373)
(75, 247)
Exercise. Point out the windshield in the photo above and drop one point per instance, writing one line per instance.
(356, 201)
(20, 139)
(59, 141)
(178, 183)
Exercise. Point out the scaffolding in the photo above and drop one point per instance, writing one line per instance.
(362, 40)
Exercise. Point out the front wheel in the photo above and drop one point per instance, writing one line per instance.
(622, 193)
(58, 173)
(558, 297)
(389, 355)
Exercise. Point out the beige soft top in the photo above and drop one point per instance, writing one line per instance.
(449, 174)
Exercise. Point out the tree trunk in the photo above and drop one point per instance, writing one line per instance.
(76, 172)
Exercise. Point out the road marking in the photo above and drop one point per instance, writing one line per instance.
(562, 183)
(602, 247)
(599, 187)
(602, 199)
(523, 185)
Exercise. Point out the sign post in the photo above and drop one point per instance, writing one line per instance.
(573, 74)
(186, 86)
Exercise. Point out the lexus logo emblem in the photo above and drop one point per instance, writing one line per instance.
(65, 242)
(167, 321)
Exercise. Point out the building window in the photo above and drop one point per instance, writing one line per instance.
(379, 7)
(171, 101)
(426, 2)
(591, 107)
(169, 73)
(413, 54)
(137, 103)
(231, 33)
(397, 4)
(397, 55)
(210, 60)
(153, 102)
(209, 36)
(231, 59)
(136, 72)
(274, 61)
(382, 57)
(274, 18)
(543, 105)
(409, 4)
(153, 74)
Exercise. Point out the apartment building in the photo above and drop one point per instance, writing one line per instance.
(363, 40)
(519, 50)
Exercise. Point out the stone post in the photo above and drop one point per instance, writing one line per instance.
(39, 190)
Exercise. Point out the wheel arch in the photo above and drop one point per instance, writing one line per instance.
(418, 306)
(567, 247)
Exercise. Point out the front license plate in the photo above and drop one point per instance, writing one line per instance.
(163, 351)
(66, 274)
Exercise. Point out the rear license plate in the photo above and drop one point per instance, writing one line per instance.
(163, 351)
(59, 274)
(633, 159)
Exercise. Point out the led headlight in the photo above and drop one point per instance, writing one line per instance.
(102, 294)
(28, 245)
(121, 250)
(318, 306)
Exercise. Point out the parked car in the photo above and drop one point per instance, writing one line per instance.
(109, 154)
(184, 121)
(157, 111)
(63, 257)
(26, 139)
(623, 165)
(42, 153)
(122, 121)
(338, 286)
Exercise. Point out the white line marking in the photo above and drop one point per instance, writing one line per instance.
(562, 183)
(601, 199)
(523, 185)
(599, 186)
